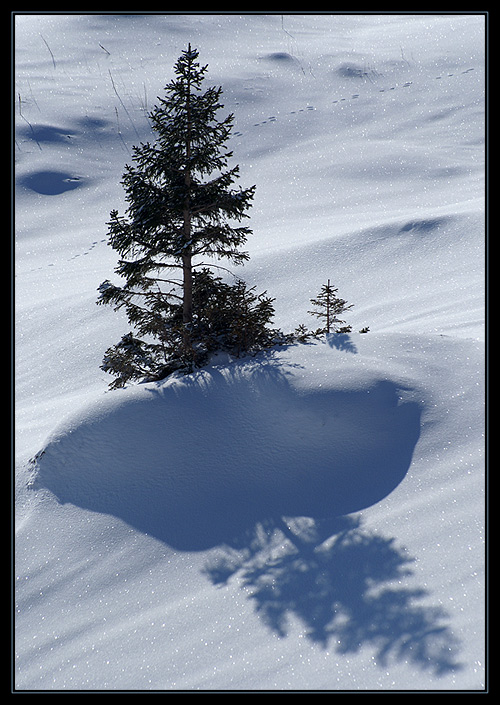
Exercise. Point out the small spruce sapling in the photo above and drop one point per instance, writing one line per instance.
(328, 308)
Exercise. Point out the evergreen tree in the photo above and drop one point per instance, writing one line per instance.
(231, 317)
(329, 307)
(182, 211)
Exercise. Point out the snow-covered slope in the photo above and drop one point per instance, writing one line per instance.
(311, 518)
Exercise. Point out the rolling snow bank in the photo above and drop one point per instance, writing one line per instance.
(196, 460)
(247, 478)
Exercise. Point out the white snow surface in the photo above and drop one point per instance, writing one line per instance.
(311, 518)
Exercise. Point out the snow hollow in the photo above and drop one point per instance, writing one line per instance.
(311, 518)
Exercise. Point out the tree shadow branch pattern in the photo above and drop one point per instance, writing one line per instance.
(282, 523)
(341, 582)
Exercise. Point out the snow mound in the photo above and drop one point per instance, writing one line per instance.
(351, 70)
(198, 459)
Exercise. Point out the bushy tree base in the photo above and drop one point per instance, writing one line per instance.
(227, 318)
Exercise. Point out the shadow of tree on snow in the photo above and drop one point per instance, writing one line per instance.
(341, 341)
(216, 459)
(343, 583)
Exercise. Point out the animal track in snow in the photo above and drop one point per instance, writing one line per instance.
(344, 99)
(70, 259)
(88, 251)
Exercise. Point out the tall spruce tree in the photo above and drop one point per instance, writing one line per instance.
(183, 215)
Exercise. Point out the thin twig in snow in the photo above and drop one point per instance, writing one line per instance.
(50, 51)
(28, 122)
(122, 103)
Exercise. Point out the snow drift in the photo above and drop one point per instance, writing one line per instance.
(198, 459)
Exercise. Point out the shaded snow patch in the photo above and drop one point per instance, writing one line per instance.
(51, 183)
(202, 458)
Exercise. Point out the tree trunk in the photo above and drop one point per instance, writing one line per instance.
(187, 298)
(328, 307)
(187, 270)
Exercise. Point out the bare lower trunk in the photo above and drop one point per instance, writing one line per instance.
(187, 302)
(328, 308)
